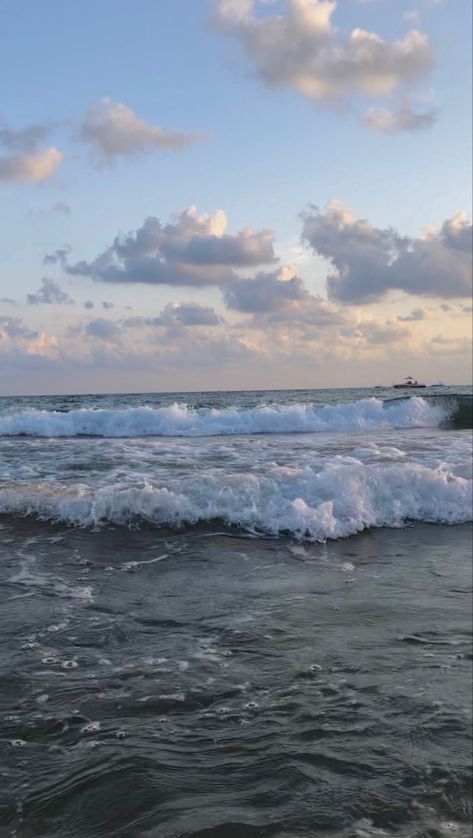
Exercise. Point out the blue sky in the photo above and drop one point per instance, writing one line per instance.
(263, 154)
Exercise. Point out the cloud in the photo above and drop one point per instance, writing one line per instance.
(103, 329)
(23, 140)
(405, 118)
(192, 250)
(188, 314)
(50, 293)
(279, 300)
(379, 333)
(25, 162)
(30, 168)
(415, 315)
(265, 292)
(300, 49)
(13, 328)
(58, 257)
(179, 314)
(113, 130)
(369, 262)
(442, 347)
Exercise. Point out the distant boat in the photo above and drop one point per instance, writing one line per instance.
(409, 384)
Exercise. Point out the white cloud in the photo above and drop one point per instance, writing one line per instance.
(302, 50)
(404, 118)
(112, 130)
(369, 261)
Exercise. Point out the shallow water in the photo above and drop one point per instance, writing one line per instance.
(219, 620)
(205, 683)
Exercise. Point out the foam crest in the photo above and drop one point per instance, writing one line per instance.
(182, 420)
(343, 498)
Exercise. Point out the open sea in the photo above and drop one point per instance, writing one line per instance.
(236, 615)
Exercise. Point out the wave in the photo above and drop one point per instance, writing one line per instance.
(181, 420)
(343, 498)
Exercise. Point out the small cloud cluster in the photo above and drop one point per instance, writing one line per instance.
(302, 50)
(405, 118)
(192, 250)
(113, 130)
(23, 160)
(175, 315)
(50, 293)
(369, 261)
(110, 129)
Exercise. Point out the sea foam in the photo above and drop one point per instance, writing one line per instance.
(346, 496)
(182, 420)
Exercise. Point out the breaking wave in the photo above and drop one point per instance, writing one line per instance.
(181, 420)
(343, 498)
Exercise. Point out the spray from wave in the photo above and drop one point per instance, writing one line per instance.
(181, 420)
(343, 498)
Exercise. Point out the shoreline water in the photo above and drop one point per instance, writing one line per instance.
(251, 633)
(206, 684)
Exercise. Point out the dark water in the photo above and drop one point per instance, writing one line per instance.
(218, 619)
(201, 683)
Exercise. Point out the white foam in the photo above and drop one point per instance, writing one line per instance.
(181, 420)
(342, 498)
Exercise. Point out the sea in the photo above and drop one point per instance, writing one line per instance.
(236, 614)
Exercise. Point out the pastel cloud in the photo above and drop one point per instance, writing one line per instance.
(24, 161)
(193, 249)
(112, 129)
(302, 50)
(34, 167)
(404, 118)
(369, 262)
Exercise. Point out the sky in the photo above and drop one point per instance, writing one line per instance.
(234, 194)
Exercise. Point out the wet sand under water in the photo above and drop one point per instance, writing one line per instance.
(197, 683)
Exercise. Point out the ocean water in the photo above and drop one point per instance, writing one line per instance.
(236, 614)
